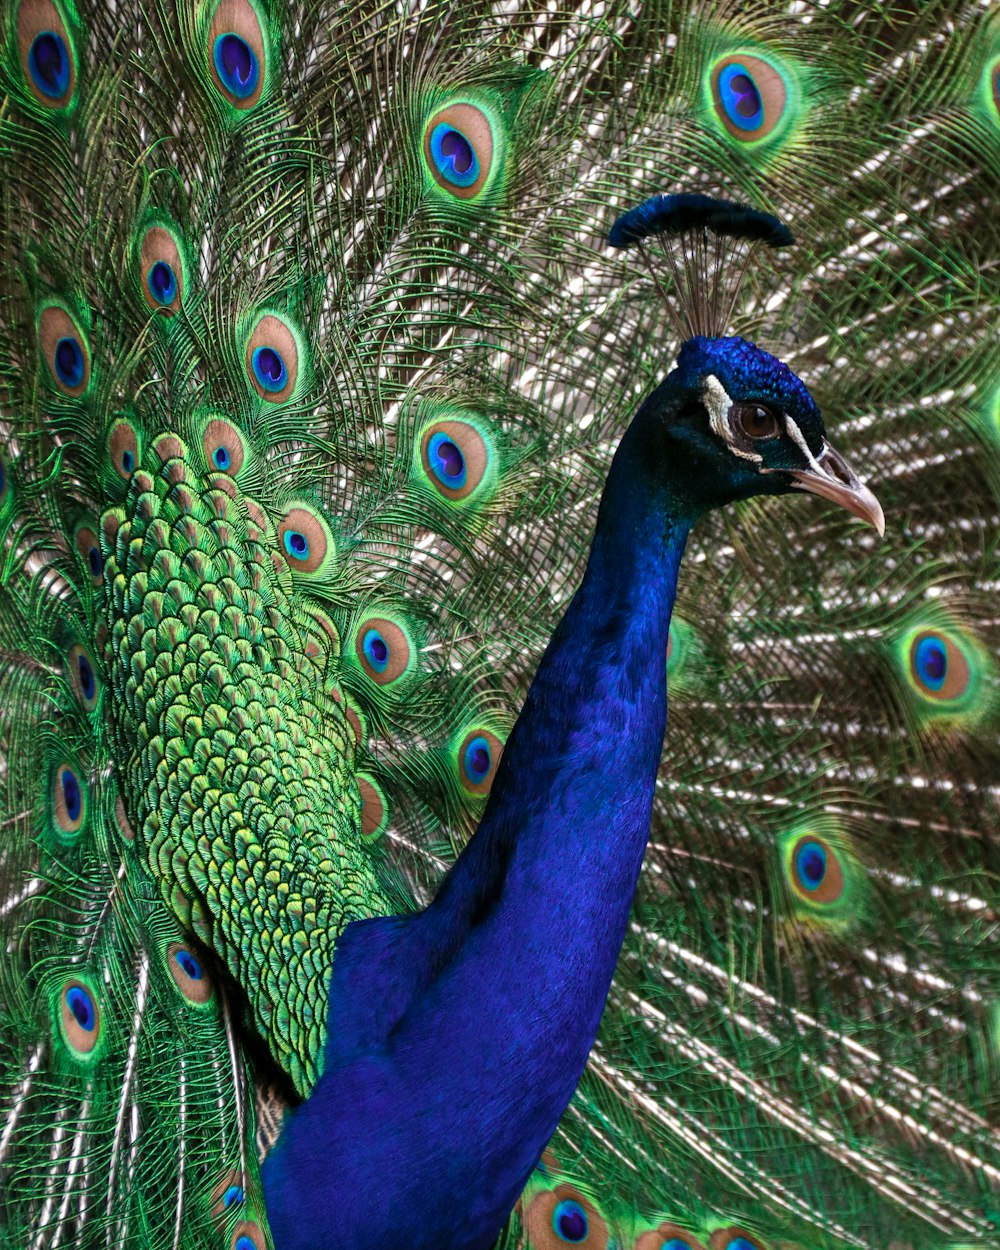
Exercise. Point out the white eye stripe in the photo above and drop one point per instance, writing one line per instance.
(718, 403)
(797, 438)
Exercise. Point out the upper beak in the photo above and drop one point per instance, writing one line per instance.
(836, 480)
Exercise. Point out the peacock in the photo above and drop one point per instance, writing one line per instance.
(313, 364)
(729, 422)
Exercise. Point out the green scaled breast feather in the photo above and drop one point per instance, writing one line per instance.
(240, 758)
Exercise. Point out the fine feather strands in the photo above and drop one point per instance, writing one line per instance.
(706, 246)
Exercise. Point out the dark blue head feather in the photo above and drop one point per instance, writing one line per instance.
(706, 279)
(748, 373)
(681, 214)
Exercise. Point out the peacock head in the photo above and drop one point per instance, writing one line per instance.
(740, 423)
(736, 420)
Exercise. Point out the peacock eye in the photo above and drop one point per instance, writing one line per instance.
(755, 421)
(236, 65)
(569, 1220)
(48, 60)
(162, 282)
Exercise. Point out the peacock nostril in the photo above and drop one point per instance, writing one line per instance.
(836, 467)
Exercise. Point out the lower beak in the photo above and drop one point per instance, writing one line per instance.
(833, 478)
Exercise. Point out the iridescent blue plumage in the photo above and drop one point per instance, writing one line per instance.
(71, 794)
(745, 370)
(740, 97)
(269, 368)
(477, 759)
(162, 282)
(81, 1005)
(453, 156)
(570, 1221)
(931, 662)
(457, 1036)
(446, 461)
(86, 673)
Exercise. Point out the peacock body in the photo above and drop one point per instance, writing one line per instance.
(313, 361)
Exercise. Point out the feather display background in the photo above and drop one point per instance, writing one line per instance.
(807, 1071)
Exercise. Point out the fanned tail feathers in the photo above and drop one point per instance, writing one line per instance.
(312, 364)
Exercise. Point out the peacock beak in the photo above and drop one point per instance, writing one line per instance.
(833, 478)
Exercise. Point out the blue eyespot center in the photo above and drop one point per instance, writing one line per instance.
(810, 863)
(88, 683)
(570, 1221)
(162, 283)
(72, 797)
(69, 364)
(269, 369)
(221, 458)
(446, 461)
(740, 97)
(740, 1243)
(675, 1243)
(932, 662)
(48, 63)
(245, 1243)
(232, 1196)
(478, 760)
(296, 544)
(81, 1007)
(236, 64)
(454, 156)
(376, 650)
(188, 964)
(95, 562)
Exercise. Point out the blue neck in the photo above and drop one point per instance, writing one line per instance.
(457, 1037)
(569, 813)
